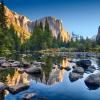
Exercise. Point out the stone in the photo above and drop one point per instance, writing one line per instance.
(84, 63)
(25, 64)
(91, 69)
(18, 88)
(15, 64)
(5, 64)
(93, 81)
(74, 76)
(79, 70)
(29, 96)
(33, 70)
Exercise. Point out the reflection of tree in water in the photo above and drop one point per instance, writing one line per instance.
(12, 77)
(17, 78)
(53, 75)
(47, 68)
(65, 63)
(14, 55)
(5, 73)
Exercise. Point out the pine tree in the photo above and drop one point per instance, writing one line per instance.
(3, 28)
(15, 41)
(3, 18)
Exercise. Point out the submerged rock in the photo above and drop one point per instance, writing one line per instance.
(93, 81)
(29, 96)
(84, 63)
(18, 88)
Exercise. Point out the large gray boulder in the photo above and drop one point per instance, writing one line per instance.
(93, 80)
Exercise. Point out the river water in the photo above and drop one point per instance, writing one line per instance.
(53, 83)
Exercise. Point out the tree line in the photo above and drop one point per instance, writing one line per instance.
(41, 38)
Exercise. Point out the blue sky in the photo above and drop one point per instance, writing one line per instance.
(78, 16)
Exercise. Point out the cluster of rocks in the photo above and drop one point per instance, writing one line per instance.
(19, 88)
(13, 89)
(93, 81)
(81, 67)
(85, 66)
(30, 68)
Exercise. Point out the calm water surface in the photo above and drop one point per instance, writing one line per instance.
(52, 84)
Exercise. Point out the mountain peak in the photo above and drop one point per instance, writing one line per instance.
(24, 26)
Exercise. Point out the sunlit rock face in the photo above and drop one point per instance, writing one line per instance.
(24, 27)
(56, 28)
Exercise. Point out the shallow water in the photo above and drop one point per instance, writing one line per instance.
(53, 84)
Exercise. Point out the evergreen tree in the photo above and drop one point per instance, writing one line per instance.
(3, 18)
(15, 41)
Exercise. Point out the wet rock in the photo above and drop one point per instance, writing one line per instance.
(2, 61)
(83, 63)
(88, 54)
(11, 61)
(15, 64)
(5, 64)
(93, 81)
(18, 88)
(91, 69)
(29, 96)
(2, 87)
(78, 70)
(38, 63)
(33, 70)
(74, 76)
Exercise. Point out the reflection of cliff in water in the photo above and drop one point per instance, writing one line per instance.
(52, 74)
(17, 78)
